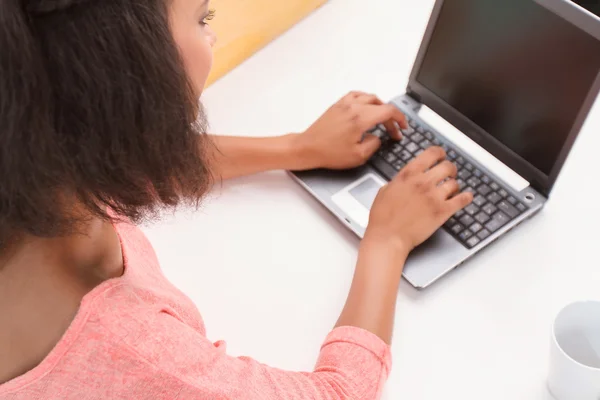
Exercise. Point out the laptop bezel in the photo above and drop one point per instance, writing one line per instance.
(543, 183)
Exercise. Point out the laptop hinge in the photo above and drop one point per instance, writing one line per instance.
(413, 95)
(542, 190)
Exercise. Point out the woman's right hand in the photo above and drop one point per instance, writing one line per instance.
(406, 212)
(416, 203)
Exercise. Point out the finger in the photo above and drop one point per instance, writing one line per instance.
(449, 188)
(369, 146)
(365, 99)
(392, 129)
(372, 115)
(426, 160)
(390, 126)
(458, 202)
(442, 171)
(353, 95)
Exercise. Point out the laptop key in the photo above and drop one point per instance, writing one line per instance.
(486, 179)
(460, 160)
(494, 186)
(521, 207)
(469, 166)
(436, 142)
(429, 135)
(459, 213)
(479, 200)
(404, 141)
(461, 184)
(476, 227)
(498, 221)
(469, 189)
(512, 200)
(464, 174)
(484, 189)
(417, 137)
(457, 228)
(398, 165)
(397, 148)
(383, 136)
(483, 234)
(466, 220)
(383, 167)
(473, 241)
(405, 155)
(494, 198)
(508, 209)
(464, 235)
(489, 208)
(450, 223)
(408, 131)
(482, 218)
(478, 173)
(420, 129)
(452, 154)
(425, 144)
(390, 157)
(412, 147)
(378, 130)
(471, 209)
(503, 193)
(474, 182)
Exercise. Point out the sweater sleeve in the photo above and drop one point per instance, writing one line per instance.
(352, 364)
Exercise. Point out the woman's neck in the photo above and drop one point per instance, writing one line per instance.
(42, 282)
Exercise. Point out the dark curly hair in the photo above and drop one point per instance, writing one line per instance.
(96, 110)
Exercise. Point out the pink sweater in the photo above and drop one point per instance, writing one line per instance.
(138, 337)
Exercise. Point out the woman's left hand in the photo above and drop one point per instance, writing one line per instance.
(336, 141)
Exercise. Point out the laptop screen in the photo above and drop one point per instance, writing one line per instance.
(515, 69)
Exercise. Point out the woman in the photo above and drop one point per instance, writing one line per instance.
(101, 128)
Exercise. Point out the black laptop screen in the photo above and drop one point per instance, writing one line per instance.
(515, 69)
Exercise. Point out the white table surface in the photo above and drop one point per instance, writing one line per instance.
(270, 269)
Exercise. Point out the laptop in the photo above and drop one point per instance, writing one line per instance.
(516, 77)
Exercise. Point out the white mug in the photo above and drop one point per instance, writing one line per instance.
(575, 353)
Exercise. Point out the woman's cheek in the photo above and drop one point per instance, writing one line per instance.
(198, 58)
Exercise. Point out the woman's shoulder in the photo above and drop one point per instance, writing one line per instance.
(98, 356)
(127, 306)
(143, 284)
(109, 344)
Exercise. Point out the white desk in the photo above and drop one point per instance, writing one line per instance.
(270, 269)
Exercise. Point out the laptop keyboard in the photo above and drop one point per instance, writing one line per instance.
(493, 206)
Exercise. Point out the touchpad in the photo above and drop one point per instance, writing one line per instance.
(357, 198)
(366, 192)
